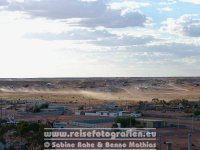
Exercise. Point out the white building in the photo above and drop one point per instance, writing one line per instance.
(108, 113)
(129, 113)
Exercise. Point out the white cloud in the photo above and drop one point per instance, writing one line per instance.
(188, 25)
(165, 9)
(128, 4)
(191, 1)
(59, 10)
(81, 13)
(168, 2)
(73, 34)
(116, 19)
(124, 40)
(3, 2)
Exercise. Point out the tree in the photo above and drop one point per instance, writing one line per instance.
(45, 105)
(196, 112)
(126, 122)
(155, 100)
(163, 102)
(33, 132)
(185, 102)
(36, 109)
(81, 107)
(4, 129)
(141, 104)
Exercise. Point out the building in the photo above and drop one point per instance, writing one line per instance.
(129, 113)
(59, 108)
(108, 113)
(152, 123)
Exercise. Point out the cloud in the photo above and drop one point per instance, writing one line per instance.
(128, 4)
(168, 2)
(165, 9)
(76, 34)
(81, 13)
(124, 40)
(191, 1)
(3, 2)
(63, 9)
(93, 36)
(116, 19)
(187, 25)
(176, 50)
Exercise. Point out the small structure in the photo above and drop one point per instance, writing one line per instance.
(108, 113)
(129, 113)
(11, 119)
(21, 109)
(153, 123)
(58, 108)
(180, 106)
(61, 108)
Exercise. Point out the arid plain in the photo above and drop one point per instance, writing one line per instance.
(101, 89)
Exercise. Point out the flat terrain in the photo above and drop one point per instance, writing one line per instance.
(101, 89)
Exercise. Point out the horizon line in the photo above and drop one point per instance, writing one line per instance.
(100, 77)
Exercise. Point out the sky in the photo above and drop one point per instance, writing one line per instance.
(99, 38)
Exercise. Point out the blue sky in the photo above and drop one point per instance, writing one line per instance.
(99, 38)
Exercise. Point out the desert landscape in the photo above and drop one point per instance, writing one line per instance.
(171, 105)
(101, 89)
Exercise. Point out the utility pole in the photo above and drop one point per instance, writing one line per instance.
(192, 123)
(1, 109)
(190, 141)
(160, 142)
(169, 145)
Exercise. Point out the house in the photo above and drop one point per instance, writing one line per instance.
(180, 106)
(129, 113)
(91, 113)
(108, 113)
(60, 107)
(97, 113)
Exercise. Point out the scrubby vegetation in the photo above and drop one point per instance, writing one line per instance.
(30, 133)
(81, 107)
(37, 108)
(196, 112)
(126, 122)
